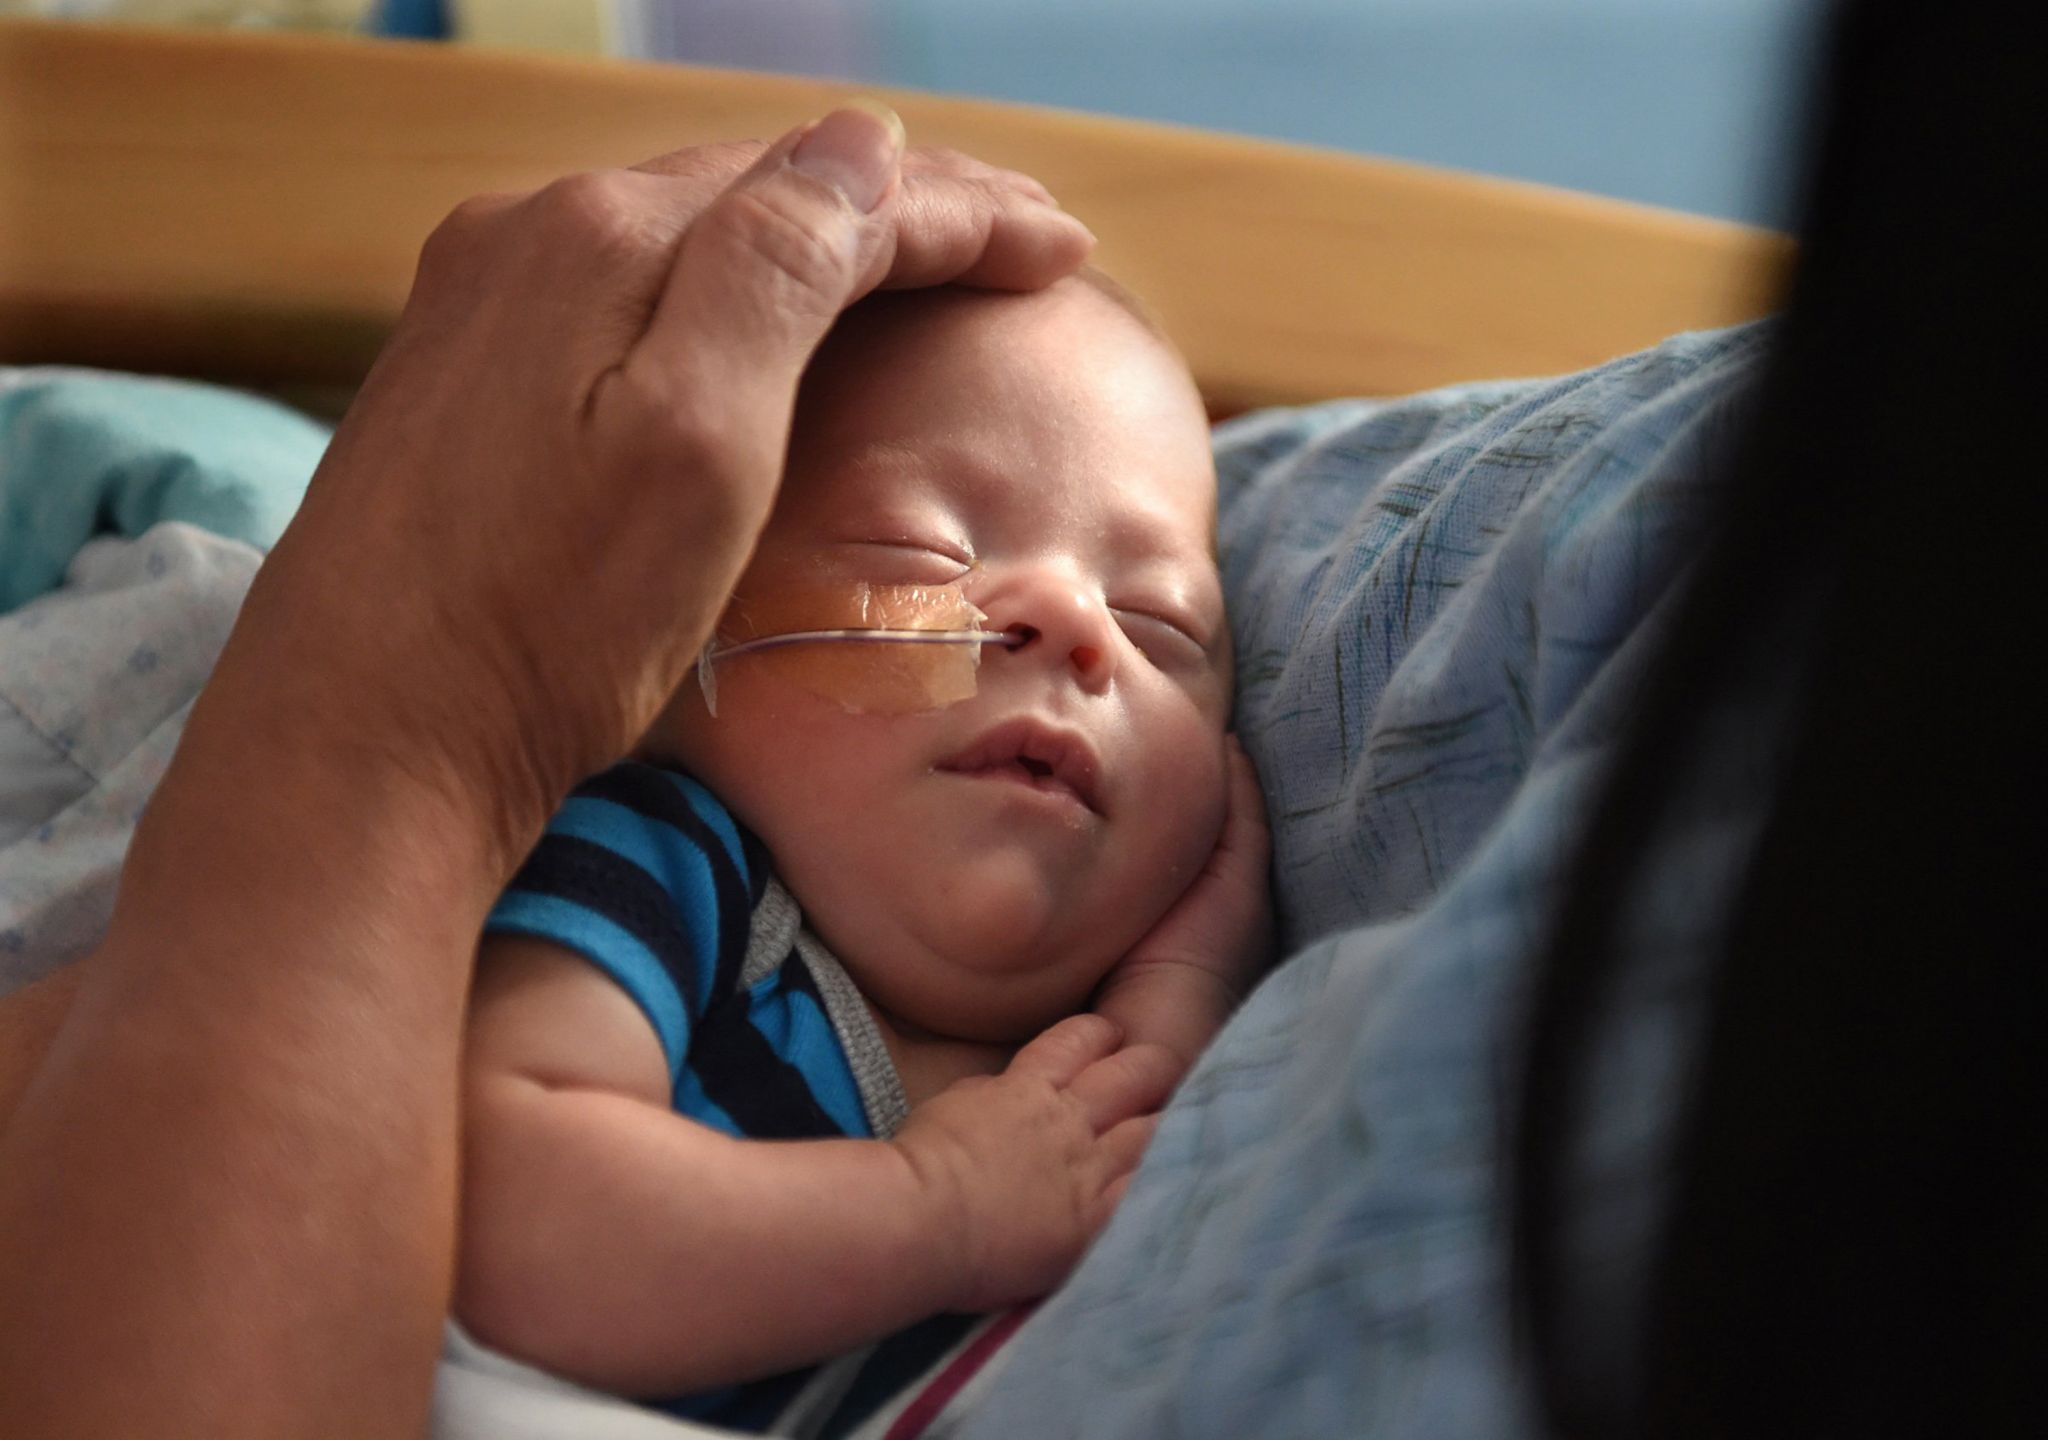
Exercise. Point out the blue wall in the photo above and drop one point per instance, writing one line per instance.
(1693, 104)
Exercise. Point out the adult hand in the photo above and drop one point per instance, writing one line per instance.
(228, 1150)
(528, 521)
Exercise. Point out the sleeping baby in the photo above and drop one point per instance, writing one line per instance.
(853, 895)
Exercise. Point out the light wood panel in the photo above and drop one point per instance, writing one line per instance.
(249, 207)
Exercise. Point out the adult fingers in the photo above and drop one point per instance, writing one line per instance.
(1134, 1081)
(714, 165)
(783, 249)
(988, 233)
(1060, 1055)
(717, 162)
(958, 219)
(706, 390)
(923, 161)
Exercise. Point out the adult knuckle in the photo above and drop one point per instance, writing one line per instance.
(599, 211)
(714, 159)
(461, 232)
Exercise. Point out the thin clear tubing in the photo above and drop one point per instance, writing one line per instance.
(707, 662)
(872, 649)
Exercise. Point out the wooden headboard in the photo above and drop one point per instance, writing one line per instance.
(248, 207)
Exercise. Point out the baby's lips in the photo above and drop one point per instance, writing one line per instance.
(1065, 755)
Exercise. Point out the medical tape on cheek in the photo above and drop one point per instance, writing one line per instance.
(852, 662)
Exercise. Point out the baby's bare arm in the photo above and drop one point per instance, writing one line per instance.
(611, 1240)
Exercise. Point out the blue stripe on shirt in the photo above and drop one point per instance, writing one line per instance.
(801, 1032)
(689, 1099)
(679, 869)
(715, 815)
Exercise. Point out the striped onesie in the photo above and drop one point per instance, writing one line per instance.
(646, 875)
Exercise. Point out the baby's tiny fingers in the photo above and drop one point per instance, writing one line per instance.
(1244, 823)
(1134, 1081)
(1125, 1144)
(1068, 1049)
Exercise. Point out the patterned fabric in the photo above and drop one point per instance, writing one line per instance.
(1443, 608)
(1423, 591)
(95, 682)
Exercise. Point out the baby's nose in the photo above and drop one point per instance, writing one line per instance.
(1058, 620)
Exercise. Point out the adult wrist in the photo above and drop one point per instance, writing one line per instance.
(275, 812)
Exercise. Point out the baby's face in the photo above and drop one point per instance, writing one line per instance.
(979, 866)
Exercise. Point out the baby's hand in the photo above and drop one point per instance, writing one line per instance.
(1181, 981)
(1026, 1166)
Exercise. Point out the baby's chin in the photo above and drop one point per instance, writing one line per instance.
(992, 1010)
(992, 974)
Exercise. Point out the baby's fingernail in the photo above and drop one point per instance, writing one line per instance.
(854, 150)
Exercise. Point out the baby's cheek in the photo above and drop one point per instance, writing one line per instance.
(1192, 790)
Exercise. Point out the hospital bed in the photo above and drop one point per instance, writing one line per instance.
(247, 207)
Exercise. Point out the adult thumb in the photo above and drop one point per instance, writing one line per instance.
(763, 272)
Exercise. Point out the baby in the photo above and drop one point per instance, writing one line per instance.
(835, 908)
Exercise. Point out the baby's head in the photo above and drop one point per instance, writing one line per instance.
(979, 865)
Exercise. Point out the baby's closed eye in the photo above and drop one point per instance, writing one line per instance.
(907, 562)
(1165, 635)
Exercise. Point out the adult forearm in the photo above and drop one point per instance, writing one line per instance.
(227, 1191)
(631, 1249)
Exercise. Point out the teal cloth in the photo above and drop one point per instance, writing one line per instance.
(90, 452)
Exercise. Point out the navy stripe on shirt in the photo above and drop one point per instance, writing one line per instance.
(586, 874)
(742, 1074)
(653, 795)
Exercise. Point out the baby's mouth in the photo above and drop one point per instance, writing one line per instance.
(1039, 756)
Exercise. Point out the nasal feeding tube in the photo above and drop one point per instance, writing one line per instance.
(873, 649)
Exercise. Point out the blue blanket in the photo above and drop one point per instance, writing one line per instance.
(1443, 608)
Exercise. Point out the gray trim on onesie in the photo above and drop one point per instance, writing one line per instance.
(777, 928)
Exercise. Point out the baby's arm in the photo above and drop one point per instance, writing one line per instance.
(1180, 983)
(613, 1241)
